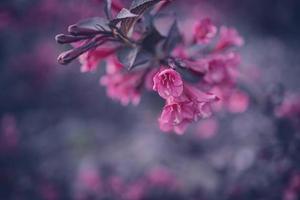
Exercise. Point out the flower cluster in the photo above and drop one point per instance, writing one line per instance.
(184, 103)
(194, 78)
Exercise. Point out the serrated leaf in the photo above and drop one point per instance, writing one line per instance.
(173, 38)
(89, 26)
(107, 9)
(127, 56)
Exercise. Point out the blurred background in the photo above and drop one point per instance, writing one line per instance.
(63, 138)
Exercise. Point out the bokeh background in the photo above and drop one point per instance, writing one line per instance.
(63, 138)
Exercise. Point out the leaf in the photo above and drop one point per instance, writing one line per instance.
(107, 9)
(173, 38)
(122, 15)
(137, 7)
(152, 39)
(143, 58)
(127, 56)
(89, 26)
(145, 3)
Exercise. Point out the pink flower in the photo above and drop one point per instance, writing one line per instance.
(149, 79)
(122, 86)
(199, 66)
(202, 101)
(229, 37)
(233, 100)
(113, 65)
(90, 60)
(222, 69)
(205, 31)
(179, 112)
(207, 129)
(238, 102)
(176, 116)
(168, 83)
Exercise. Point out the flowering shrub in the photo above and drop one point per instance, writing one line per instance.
(190, 77)
(61, 139)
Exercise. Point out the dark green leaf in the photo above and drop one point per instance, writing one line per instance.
(152, 39)
(173, 38)
(127, 56)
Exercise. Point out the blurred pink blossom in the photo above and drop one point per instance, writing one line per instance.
(238, 102)
(229, 37)
(205, 30)
(121, 85)
(207, 128)
(222, 69)
(91, 59)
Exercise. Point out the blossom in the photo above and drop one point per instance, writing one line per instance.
(205, 31)
(229, 37)
(90, 60)
(159, 57)
(221, 69)
(238, 102)
(176, 116)
(179, 112)
(202, 101)
(149, 79)
(113, 65)
(233, 100)
(122, 86)
(199, 66)
(207, 129)
(168, 83)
